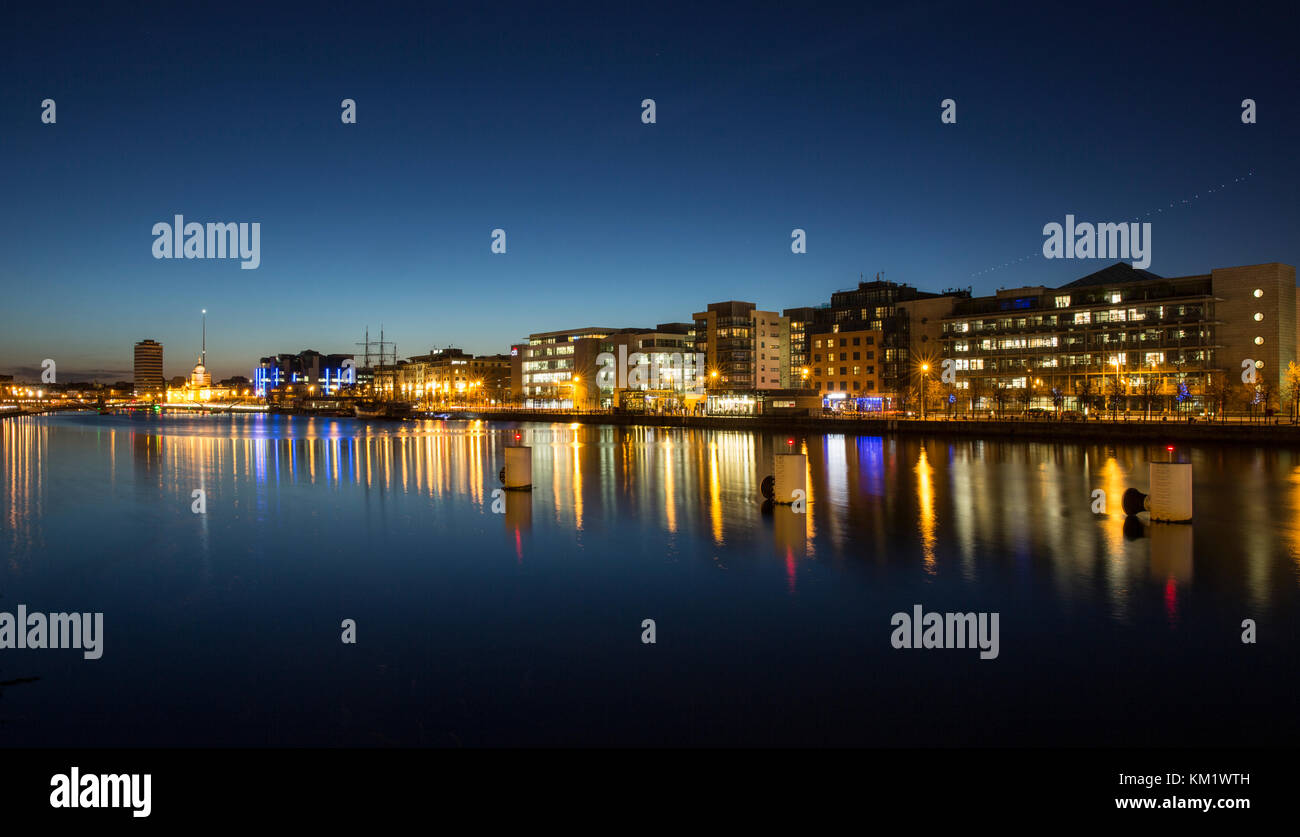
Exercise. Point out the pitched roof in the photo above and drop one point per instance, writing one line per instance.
(1117, 273)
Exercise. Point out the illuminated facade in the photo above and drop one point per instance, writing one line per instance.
(846, 366)
(558, 368)
(745, 349)
(444, 377)
(320, 373)
(149, 381)
(1126, 338)
(887, 308)
(651, 370)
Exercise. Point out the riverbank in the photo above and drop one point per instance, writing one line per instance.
(1048, 429)
(1045, 428)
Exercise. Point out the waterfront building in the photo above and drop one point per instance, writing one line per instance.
(801, 322)
(448, 376)
(745, 349)
(318, 373)
(654, 370)
(889, 309)
(557, 369)
(1127, 339)
(847, 368)
(198, 387)
(149, 381)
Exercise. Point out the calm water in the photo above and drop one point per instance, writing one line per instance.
(525, 627)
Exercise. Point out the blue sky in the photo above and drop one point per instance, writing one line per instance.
(527, 118)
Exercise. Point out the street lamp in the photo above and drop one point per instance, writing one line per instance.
(1115, 401)
(925, 381)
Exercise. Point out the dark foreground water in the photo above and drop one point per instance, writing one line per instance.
(525, 627)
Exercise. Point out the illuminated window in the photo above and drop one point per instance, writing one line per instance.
(1259, 341)
(1063, 301)
(1258, 317)
(1259, 292)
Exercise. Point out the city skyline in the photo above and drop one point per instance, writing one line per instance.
(790, 125)
(385, 379)
(946, 307)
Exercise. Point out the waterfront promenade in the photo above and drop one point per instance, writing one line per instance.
(1130, 430)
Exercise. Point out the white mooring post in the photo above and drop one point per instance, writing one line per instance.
(1170, 499)
(519, 467)
(789, 473)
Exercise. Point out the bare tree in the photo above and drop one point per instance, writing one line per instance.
(976, 389)
(1000, 398)
(1114, 390)
(1148, 393)
(1217, 392)
(1085, 391)
(1266, 396)
(1023, 396)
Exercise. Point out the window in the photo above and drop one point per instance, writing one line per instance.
(844, 356)
(857, 355)
(1114, 297)
(844, 370)
(857, 341)
(817, 358)
(1258, 317)
(871, 355)
(1259, 292)
(844, 385)
(857, 370)
(1259, 341)
(844, 341)
(1083, 317)
(1063, 301)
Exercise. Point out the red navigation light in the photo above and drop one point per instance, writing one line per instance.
(516, 437)
(789, 441)
(1169, 448)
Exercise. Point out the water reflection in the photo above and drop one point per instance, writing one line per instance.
(967, 512)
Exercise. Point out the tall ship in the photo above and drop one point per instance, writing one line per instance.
(370, 408)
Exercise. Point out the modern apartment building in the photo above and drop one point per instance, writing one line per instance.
(149, 369)
(889, 309)
(745, 349)
(801, 322)
(1125, 336)
(847, 367)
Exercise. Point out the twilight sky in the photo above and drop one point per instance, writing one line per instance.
(527, 117)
